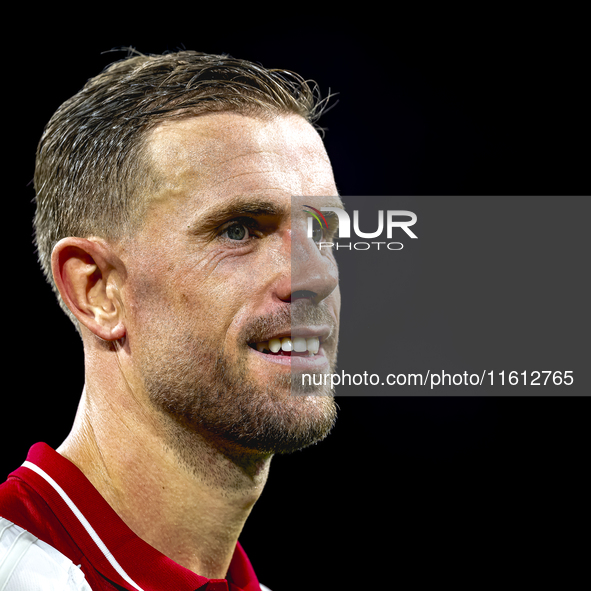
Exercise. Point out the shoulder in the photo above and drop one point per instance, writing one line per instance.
(19, 502)
(24, 507)
(29, 564)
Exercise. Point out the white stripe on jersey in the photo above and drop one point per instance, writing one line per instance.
(101, 545)
(95, 537)
(29, 564)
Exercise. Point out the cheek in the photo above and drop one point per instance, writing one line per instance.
(208, 295)
(242, 277)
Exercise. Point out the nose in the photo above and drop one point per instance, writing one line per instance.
(312, 273)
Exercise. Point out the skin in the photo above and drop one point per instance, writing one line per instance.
(180, 452)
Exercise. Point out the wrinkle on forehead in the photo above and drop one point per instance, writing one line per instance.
(217, 148)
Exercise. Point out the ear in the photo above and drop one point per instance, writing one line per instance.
(88, 275)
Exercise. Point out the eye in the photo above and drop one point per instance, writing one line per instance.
(317, 233)
(238, 232)
(320, 232)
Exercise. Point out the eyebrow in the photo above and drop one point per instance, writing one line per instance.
(338, 204)
(247, 205)
(240, 206)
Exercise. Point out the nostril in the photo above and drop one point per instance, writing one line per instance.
(302, 294)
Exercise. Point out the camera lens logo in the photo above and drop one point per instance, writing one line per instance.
(317, 214)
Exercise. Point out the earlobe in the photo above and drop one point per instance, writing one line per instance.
(87, 274)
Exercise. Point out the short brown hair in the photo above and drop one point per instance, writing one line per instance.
(90, 172)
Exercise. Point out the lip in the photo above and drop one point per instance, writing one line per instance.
(306, 332)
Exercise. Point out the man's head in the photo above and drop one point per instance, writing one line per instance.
(92, 174)
(167, 185)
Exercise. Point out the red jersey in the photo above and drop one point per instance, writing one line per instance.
(54, 518)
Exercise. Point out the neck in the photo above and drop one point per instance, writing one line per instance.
(185, 495)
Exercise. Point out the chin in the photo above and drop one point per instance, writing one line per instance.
(288, 425)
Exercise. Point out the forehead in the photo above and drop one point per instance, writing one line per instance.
(230, 153)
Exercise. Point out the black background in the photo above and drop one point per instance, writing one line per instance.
(430, 103)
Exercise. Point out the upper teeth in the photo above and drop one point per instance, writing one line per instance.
(297, 344)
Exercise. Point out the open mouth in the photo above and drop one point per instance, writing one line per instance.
(289, 346)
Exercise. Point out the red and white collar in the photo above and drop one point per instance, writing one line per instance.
(107, 542)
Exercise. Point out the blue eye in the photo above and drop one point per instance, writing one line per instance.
(237, 232)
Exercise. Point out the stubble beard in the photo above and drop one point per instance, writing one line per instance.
(198, 390)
